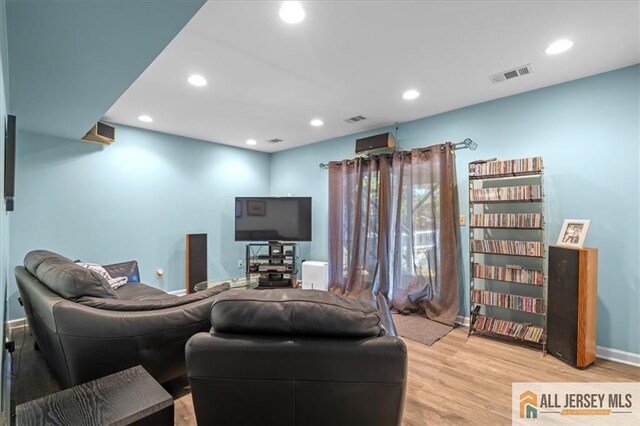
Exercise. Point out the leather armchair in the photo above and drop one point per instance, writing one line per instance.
(85, 330)
(302, 357)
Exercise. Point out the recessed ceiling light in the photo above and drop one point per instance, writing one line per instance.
(558, 47)
(291, 12)
(251, 142)
(316, 122)
(410, 94)
(197, 80)
(145, 119)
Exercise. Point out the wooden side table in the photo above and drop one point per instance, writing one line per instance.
(128, 397)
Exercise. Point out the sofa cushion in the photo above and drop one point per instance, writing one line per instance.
(139, 291)
(150, 305)
(65, 278)
(34, 258)
(294, 312)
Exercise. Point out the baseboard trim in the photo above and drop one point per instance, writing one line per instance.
(16, 324)
(463, 321)
(182, 292)
(617, 355)
(602, 352)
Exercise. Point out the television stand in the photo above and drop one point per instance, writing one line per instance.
(274, 263)
(265, 283)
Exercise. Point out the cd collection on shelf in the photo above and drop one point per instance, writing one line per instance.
(508, 301)
(517, 248)
(506, 198)
(508, 193)
(507, 167)
(513, 329)
(507, 220)
(515, 274)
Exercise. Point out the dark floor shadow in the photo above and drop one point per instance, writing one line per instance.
(31, 377)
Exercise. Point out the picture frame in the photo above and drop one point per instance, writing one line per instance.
(256, 208)
(573, 233)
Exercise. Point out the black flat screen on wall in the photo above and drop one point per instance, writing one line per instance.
(273, 218)
(10, 161)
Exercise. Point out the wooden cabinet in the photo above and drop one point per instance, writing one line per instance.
(572, 304)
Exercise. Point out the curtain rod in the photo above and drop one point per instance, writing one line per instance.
(465, 144)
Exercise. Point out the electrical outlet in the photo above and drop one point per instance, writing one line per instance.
(240, 264)
(461, 220)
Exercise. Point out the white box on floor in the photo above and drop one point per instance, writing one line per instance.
(315, 275)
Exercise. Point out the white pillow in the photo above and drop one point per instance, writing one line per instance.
(113, 282)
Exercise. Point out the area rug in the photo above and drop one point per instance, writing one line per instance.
(420, 329)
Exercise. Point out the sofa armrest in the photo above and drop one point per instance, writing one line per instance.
(37, 298)
(387, 319)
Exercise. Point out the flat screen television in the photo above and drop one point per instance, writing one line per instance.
(273, 218)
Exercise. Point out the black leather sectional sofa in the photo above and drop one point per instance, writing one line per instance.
(253, 357)
(87, 330)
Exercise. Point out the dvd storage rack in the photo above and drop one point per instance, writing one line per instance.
(507, 250)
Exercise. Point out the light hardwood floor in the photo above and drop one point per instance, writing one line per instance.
(462, 380)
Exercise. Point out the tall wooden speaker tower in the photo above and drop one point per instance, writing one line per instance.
(572, 304)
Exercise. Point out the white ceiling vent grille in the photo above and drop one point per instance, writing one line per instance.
(274, 140)
(355, 119)
(512, 73)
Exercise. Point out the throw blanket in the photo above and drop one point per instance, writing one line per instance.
(113, 282)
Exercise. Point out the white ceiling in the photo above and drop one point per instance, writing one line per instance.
(268, 79)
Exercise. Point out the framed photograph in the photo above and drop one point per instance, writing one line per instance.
(573, 233)
(256, 208)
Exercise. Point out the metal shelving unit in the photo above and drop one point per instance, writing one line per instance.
(273, 264)
(490, 180)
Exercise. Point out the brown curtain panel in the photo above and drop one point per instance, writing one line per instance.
(354, 212)
(392, 230)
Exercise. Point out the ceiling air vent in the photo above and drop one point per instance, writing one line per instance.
(355, 119)
(512, 73)
(274, 140)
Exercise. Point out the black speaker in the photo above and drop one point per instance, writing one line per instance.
(381, 141)
(562, 305)
(10, 161)
(196, 260)
(572, 304)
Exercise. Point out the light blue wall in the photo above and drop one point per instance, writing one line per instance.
(588, 133)
(135, 199)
